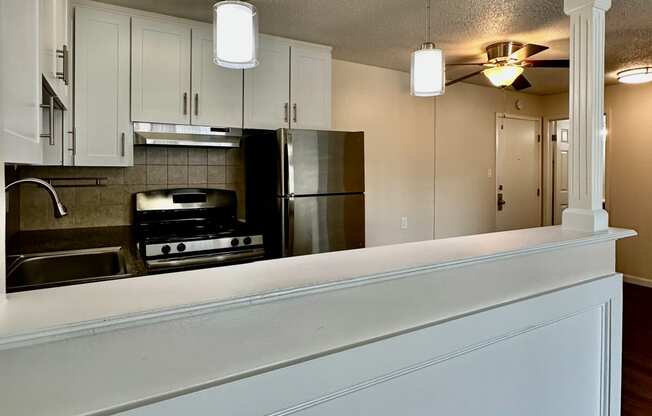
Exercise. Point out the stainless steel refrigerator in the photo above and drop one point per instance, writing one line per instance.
(305, 189)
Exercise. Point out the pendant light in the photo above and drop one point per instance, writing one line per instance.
(235, 34)
(428, 69)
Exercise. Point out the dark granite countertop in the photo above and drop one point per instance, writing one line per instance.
(26, 242)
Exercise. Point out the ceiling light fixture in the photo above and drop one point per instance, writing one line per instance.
(635, 75)
(503, 75)
(235, 34)
(427, 69)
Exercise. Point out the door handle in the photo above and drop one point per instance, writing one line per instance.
(122, 139)
(286, 107)
(500, 201)
(185, 103)
(197, 104)
(294, 111)
(64, 54)
(50, 108)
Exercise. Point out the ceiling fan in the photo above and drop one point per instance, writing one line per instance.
(506, 62)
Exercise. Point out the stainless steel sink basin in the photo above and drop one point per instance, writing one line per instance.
(36, 271)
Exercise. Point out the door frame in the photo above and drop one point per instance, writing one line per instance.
(548, 177)
(539, 120)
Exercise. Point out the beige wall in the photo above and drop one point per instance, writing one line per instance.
(629, 173)
(399, 149)
(465, 194)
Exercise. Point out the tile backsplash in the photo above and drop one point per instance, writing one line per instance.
(111, 205)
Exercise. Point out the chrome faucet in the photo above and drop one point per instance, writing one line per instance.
(59, 209)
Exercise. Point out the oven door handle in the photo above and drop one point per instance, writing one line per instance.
(205, 259)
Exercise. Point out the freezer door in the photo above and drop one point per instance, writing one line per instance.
(319, 224)
(324, 162)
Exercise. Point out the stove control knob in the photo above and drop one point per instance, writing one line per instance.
(166, 249)
(247, 241)
(235, 242)
(181, 247)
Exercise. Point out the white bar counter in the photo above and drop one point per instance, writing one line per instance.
(332, 334)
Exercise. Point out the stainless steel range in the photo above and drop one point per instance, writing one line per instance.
(193, 228)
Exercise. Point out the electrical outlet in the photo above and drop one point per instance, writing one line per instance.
(490, 173)
(404, 223)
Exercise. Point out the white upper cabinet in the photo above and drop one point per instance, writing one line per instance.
(20, 83)
(55, 54)
(216, 91)
(310, 87)
(267, 87)
(160, 72)
(103, 134)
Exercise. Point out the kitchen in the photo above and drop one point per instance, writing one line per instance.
(149, 180)
(181, 138)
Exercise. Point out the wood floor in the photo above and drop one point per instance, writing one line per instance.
(637, 351)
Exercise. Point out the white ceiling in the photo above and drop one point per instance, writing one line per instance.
(384, 32)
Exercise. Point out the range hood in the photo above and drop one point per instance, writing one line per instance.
(185, 135)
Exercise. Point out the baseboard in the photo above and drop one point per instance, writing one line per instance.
(637, 280)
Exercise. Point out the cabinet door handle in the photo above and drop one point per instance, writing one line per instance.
(64, 54)
(185, 103)
(122, 139)
(294, 111)
(196, 104)
(286, 107)
(73, 147)
(50, 108)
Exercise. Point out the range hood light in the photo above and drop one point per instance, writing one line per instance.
(503, 76)
(235, 35)
(635, 76)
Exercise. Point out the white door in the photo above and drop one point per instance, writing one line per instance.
(518, 173)
(216, 91)
(560, 170)
(267, 87)
(102, 128)
(160, 74)
(311, 87)
(20, 140)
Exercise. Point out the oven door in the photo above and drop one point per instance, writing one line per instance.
(204, 260)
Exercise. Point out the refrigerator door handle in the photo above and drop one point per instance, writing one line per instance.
(290, 225)
(289, 150)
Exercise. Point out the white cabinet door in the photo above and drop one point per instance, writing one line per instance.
(102, 128)
(267, 87)
(55, 54)
(311, 87)
(216, 91)
(160, 72)
(20, 83)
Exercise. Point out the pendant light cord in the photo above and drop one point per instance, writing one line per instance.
(427, 20)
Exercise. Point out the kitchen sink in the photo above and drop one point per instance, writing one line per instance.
(37, 271)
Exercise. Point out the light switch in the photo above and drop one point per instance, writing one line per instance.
(404, 223)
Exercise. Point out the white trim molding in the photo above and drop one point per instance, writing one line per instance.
(586, 108)
(637, 280)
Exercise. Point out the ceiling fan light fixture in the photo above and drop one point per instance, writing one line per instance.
(427, 75)
(235, 34)
(503, 76)
(635, 75)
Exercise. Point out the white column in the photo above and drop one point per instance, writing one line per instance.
(586, 108)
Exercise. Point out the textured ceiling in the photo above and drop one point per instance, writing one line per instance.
(384, 32)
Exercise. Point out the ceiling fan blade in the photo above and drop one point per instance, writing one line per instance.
(474, 64)
(455, 81)
(526, 51)
(550, 63)
(521, 83)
